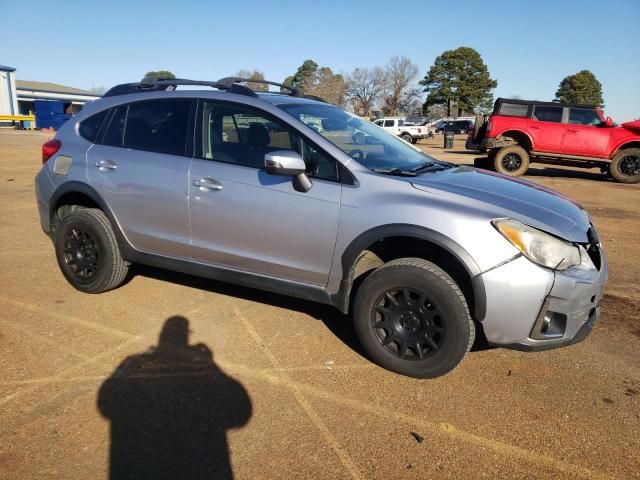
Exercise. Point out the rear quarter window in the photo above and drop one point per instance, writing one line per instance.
(90, 127)
(514, 110)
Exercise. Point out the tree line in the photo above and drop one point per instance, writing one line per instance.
(458, 82)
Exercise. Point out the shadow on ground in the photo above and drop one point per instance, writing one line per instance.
(339, 324)
(170, 408)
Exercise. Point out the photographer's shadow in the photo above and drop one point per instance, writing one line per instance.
(170, 409)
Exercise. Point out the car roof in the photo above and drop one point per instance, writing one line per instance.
(518, 101)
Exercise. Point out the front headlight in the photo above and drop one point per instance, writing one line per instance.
(538, 246)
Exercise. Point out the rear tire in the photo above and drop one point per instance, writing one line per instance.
(406, 137)
(87, 251)
(412, 318)
(625, 166)
(512, 161)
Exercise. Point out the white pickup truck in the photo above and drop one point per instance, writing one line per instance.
(397, 126)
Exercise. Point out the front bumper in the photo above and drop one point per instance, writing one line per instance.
(531, 308)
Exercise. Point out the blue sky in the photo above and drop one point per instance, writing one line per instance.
(528, 46)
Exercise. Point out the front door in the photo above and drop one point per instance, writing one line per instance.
(583, 135)
(245, 219)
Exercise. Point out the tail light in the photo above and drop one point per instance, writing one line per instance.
(488, 126)
(49, 149)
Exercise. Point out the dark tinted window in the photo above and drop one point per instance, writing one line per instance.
(513, 109)
(234, 134)
(388, 123)
(584, 116)
(547, 113)
(90, 127)
(115, 130)
(158, 126)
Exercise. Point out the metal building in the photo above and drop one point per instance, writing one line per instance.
(8, 98)
(51, 103)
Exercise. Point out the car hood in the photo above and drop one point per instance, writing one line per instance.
(633, 126)
(507, 197)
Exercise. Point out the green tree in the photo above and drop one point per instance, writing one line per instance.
(158, 74)
(583, 87)
(460, 76)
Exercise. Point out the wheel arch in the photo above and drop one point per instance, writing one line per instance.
(81, 194)
(624, 145)
(414, 241)
(523, 138)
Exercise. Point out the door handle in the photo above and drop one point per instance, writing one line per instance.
(106, 165)
(207, 184)
(534, 127)
(572, 130)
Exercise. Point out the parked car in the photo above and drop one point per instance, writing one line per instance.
(397, 126)
(520, 132)
(456, 126)
(235, 185)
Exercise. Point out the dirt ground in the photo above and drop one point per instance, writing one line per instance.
(270, 387)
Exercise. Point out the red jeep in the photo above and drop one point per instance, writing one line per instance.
(520, 131)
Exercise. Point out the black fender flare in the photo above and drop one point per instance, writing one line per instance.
(90, 192)
(362, 241)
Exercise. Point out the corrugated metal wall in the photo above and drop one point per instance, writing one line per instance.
(8, 98)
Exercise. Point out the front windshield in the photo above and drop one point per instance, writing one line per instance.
(365, 142)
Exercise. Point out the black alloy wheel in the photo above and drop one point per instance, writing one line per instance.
(81, 253)
(408, 324)
(511, 162)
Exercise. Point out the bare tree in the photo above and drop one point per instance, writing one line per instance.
(254, 74)
(365, 88)
(400, 74)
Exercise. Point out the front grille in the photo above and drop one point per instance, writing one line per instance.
(593, 248)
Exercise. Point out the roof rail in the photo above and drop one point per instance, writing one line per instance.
(230, 84)
(154, 85)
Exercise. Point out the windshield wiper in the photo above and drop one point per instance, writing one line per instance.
(395, 171)
(430, 166)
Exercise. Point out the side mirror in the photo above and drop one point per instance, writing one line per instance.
(288, 162)
(609, 122)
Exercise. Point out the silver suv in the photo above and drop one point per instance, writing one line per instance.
(269, 190)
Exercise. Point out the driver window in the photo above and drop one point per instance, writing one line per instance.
(237, 135)
(583, 116)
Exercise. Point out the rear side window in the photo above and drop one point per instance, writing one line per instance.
(544, 113)
(514, 110)
(115, 128)
(158, 126)
(388, 123)
(90, 127)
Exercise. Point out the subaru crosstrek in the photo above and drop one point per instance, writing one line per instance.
(239, 186)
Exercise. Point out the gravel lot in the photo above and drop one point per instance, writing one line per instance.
(272, 387)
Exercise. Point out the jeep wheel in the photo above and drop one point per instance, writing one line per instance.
(411, 318)
(406, 137)
(513, 161)
(625, 166)
(87, 251)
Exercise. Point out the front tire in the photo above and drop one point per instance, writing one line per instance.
(625, 166)
(412, 318)
(512, 161)
(87, 251)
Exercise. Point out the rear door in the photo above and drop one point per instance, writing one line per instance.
(245, 219)
(546, 127)
(583, 136)
(140, 168)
